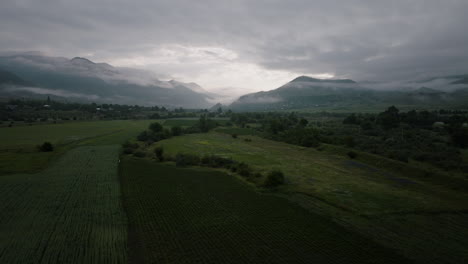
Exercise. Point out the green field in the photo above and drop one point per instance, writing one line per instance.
(206, 216)
(18, 153)
(377, 197)
(65, 206)
(69, 213)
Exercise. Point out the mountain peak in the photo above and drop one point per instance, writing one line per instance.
(81, 60)
(304, 78)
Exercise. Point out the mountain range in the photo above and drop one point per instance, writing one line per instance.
(80, 79)
(306, 92)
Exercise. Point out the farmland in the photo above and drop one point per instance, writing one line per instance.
(206, 216)
(18, 153)
(380, 198)
(66, 205)
(69, 213)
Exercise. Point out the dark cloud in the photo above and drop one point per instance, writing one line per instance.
(363, 40)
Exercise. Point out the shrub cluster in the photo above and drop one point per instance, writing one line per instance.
(129, 148)
(46, 147)
(186, 159)
(216, 161)
(159, 152)
(156, 132)
(274, 178)
(352, 154)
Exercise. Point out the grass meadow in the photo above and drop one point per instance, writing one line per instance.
(18, 145)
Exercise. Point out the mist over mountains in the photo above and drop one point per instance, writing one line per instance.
(79, 79)
(306, 92)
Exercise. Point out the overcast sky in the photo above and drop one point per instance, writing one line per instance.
(248, 44)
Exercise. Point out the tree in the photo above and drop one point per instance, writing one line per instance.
(155, 116)
(143, 136)
(159, 151)
(303, 122)
(390, 118)
(460, 137)
(352, 154)
(155, 127)
(46, 147)
(183, 160)
(351, 120)
(274, 178)
(206, 124)
(176, 130)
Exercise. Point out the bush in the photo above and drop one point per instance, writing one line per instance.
(46, 147)
(159, 151)
(176, 130)
(309, 142)
(155, 137)
(129, 147)
(128, 150)
(155, 127)
(352, 154)
(243, 169)
(216, 161)
(143, 136)
(274, 178)
(183, 160)
(128, 144)
(139, 154)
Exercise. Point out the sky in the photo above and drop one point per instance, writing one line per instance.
(239, 46)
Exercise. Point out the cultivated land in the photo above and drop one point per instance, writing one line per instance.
(65, 206)
(69, 213)
(422, 217)
(206, 216)
(18, 152)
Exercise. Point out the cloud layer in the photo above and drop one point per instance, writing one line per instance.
(254, 45)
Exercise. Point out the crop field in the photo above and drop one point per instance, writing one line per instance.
(374, 196)
(69, 213)
(206, 216)
(65, 206)
(18, 153)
